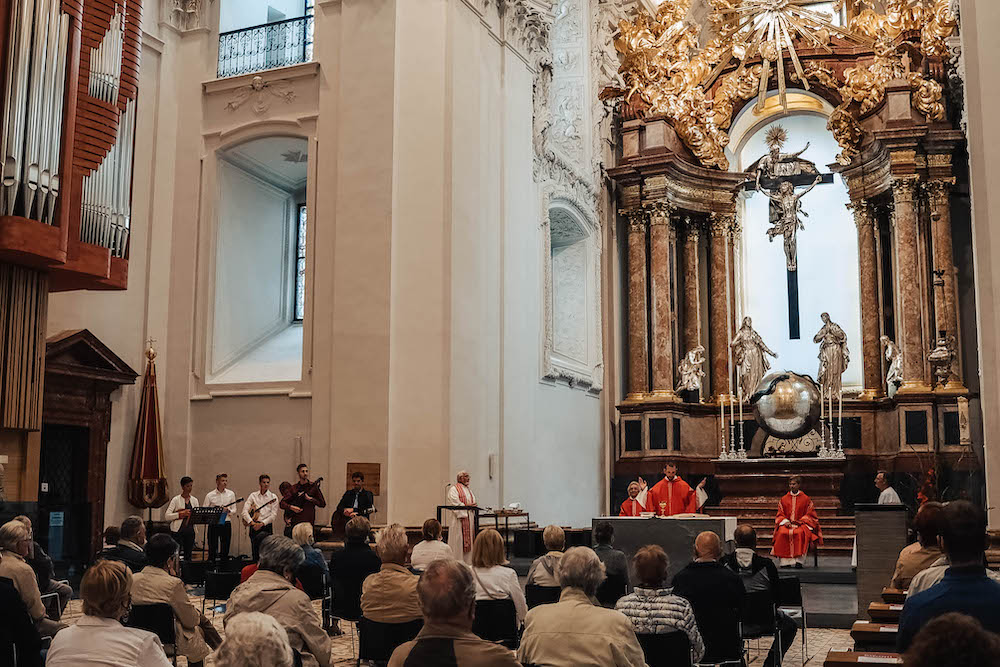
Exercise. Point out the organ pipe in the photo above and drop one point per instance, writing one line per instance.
(105, 215)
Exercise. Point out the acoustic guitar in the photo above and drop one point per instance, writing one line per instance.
(255, 512)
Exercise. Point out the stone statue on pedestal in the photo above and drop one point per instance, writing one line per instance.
(748, 355)
(894, 376)
(690, 371)
(833, 354)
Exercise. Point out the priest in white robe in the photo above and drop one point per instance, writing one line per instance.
(461, 523)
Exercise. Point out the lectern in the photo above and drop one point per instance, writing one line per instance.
(881, 535)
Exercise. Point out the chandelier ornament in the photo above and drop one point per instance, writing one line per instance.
(752, 42)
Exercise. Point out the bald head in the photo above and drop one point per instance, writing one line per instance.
(707, 546)
(745, 536)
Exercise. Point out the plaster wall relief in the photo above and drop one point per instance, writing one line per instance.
(184, 15)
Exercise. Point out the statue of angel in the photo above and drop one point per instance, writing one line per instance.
(833, 354)
(776, 164)
(690, 370)
(894, 376)
(748, 355)
(789, 224)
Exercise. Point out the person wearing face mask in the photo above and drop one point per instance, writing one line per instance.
(159, 582)
(270, 590)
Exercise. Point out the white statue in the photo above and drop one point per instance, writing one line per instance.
(690, 370)
(789, 224)
(894, 376)
(776, 164)
(833, 354)
(748, 354)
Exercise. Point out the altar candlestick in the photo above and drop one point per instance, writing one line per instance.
(722, 427)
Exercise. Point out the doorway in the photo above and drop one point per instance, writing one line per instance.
(63, 526)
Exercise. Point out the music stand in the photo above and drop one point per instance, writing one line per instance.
(203, 516)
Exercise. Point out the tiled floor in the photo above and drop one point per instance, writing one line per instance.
(820, 641)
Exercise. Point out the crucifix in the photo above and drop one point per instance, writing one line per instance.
(777, 175)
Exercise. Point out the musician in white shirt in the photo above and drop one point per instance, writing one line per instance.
(178, 513)
(267, 502)
(221, 534)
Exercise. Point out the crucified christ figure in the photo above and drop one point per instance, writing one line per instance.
(789, 224)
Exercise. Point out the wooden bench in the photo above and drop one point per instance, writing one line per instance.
(869, 636)
(883, 612)
(838, 658)
(893, 596)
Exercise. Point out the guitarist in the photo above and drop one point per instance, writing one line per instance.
(220, 535)
(259, 513)
(357, 501)
(303, 499)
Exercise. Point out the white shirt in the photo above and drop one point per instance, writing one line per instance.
(258, 500)
(425, 552)
(215, 498)
(104, 642)
(499, 583)
(889, 497)
(176, 505)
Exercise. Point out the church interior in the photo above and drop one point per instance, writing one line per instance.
(665, 268)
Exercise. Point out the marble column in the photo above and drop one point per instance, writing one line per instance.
(660, 251)
(692, 288)
(638, 360)
(945, 297)
(908, 279)
(871, 349)
(720, 286)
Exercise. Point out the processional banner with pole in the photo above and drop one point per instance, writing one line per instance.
(147, 484)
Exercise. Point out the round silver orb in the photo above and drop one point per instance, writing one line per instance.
(786, 404)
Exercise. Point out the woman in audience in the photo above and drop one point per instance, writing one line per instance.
(651, 608)
(254, 639)
(99, 638)
(431, 548)
(270, 591)
(315, 566)
(15, 541)
(494, 581)
(544, 570)
(923, 553)
(953, 639)
(351, 565)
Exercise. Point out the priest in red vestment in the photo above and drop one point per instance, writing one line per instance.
(795, 527)
(672, 495)
(632, 506)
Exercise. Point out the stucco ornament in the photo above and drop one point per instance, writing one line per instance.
(261, 91)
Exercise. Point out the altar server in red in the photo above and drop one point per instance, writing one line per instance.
(795, 527)
(632, 506)
(672, 495)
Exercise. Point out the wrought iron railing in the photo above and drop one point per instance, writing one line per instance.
(266, 46)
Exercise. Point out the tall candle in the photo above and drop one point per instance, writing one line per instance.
(840, 409)
(822, 409)
(741, 411)
(722, 424)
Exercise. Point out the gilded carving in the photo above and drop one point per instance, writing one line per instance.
(904, 189)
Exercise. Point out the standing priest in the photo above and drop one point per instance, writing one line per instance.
(672, 495)
(460, 524)
(795, 527)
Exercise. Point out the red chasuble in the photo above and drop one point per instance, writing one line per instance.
(678, 496)
(792, 542)
(632, 507)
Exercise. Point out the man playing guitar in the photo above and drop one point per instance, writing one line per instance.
(259, 513)
(302, 499)
(356, 501)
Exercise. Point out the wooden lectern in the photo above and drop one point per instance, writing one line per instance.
(881, 535)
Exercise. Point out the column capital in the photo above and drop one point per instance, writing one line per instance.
(660, 211)
(863, 218)
(692, 228)
(638, 218)
(937, 190)
(904, 188)
(721, 224)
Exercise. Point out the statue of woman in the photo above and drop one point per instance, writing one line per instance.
(833, 354)
(894, 376)
(690, 370)
(748, 354)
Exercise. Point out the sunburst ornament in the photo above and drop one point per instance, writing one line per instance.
(769, 29)
(776, 137)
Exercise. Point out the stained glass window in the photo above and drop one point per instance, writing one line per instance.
(300, 266)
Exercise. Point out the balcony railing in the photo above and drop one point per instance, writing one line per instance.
(266, 46)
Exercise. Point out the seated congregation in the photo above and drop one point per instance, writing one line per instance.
(440, 610)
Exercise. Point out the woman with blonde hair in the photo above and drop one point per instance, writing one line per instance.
(99, 638)
(254, 639)
(495, 581)
(312, 570)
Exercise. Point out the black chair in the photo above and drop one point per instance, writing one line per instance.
(496, 621)
(790, 602)
(535, 595)
(377, 641)
(758, 618)
(159, 619)
(193, 572)
(345, 604)
(313, 582)
(671, 649)
(611, 590)
(219, 586)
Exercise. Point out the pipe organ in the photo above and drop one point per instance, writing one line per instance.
(69, 73)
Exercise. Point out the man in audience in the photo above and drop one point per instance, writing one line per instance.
(953, 639)
(923, 553)
(615, 563)
(935, 573)
(544, 569)
(270, 591)
(390, 595)
(15, 540)
(159, 582)
(757, 574)
(575, 631)
(965, 588)
(351, 565)
(111, 536)
(129, 548)
(716, 594)
(447, 594)
(42, 566)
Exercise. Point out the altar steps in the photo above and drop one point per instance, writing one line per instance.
(838, 529)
